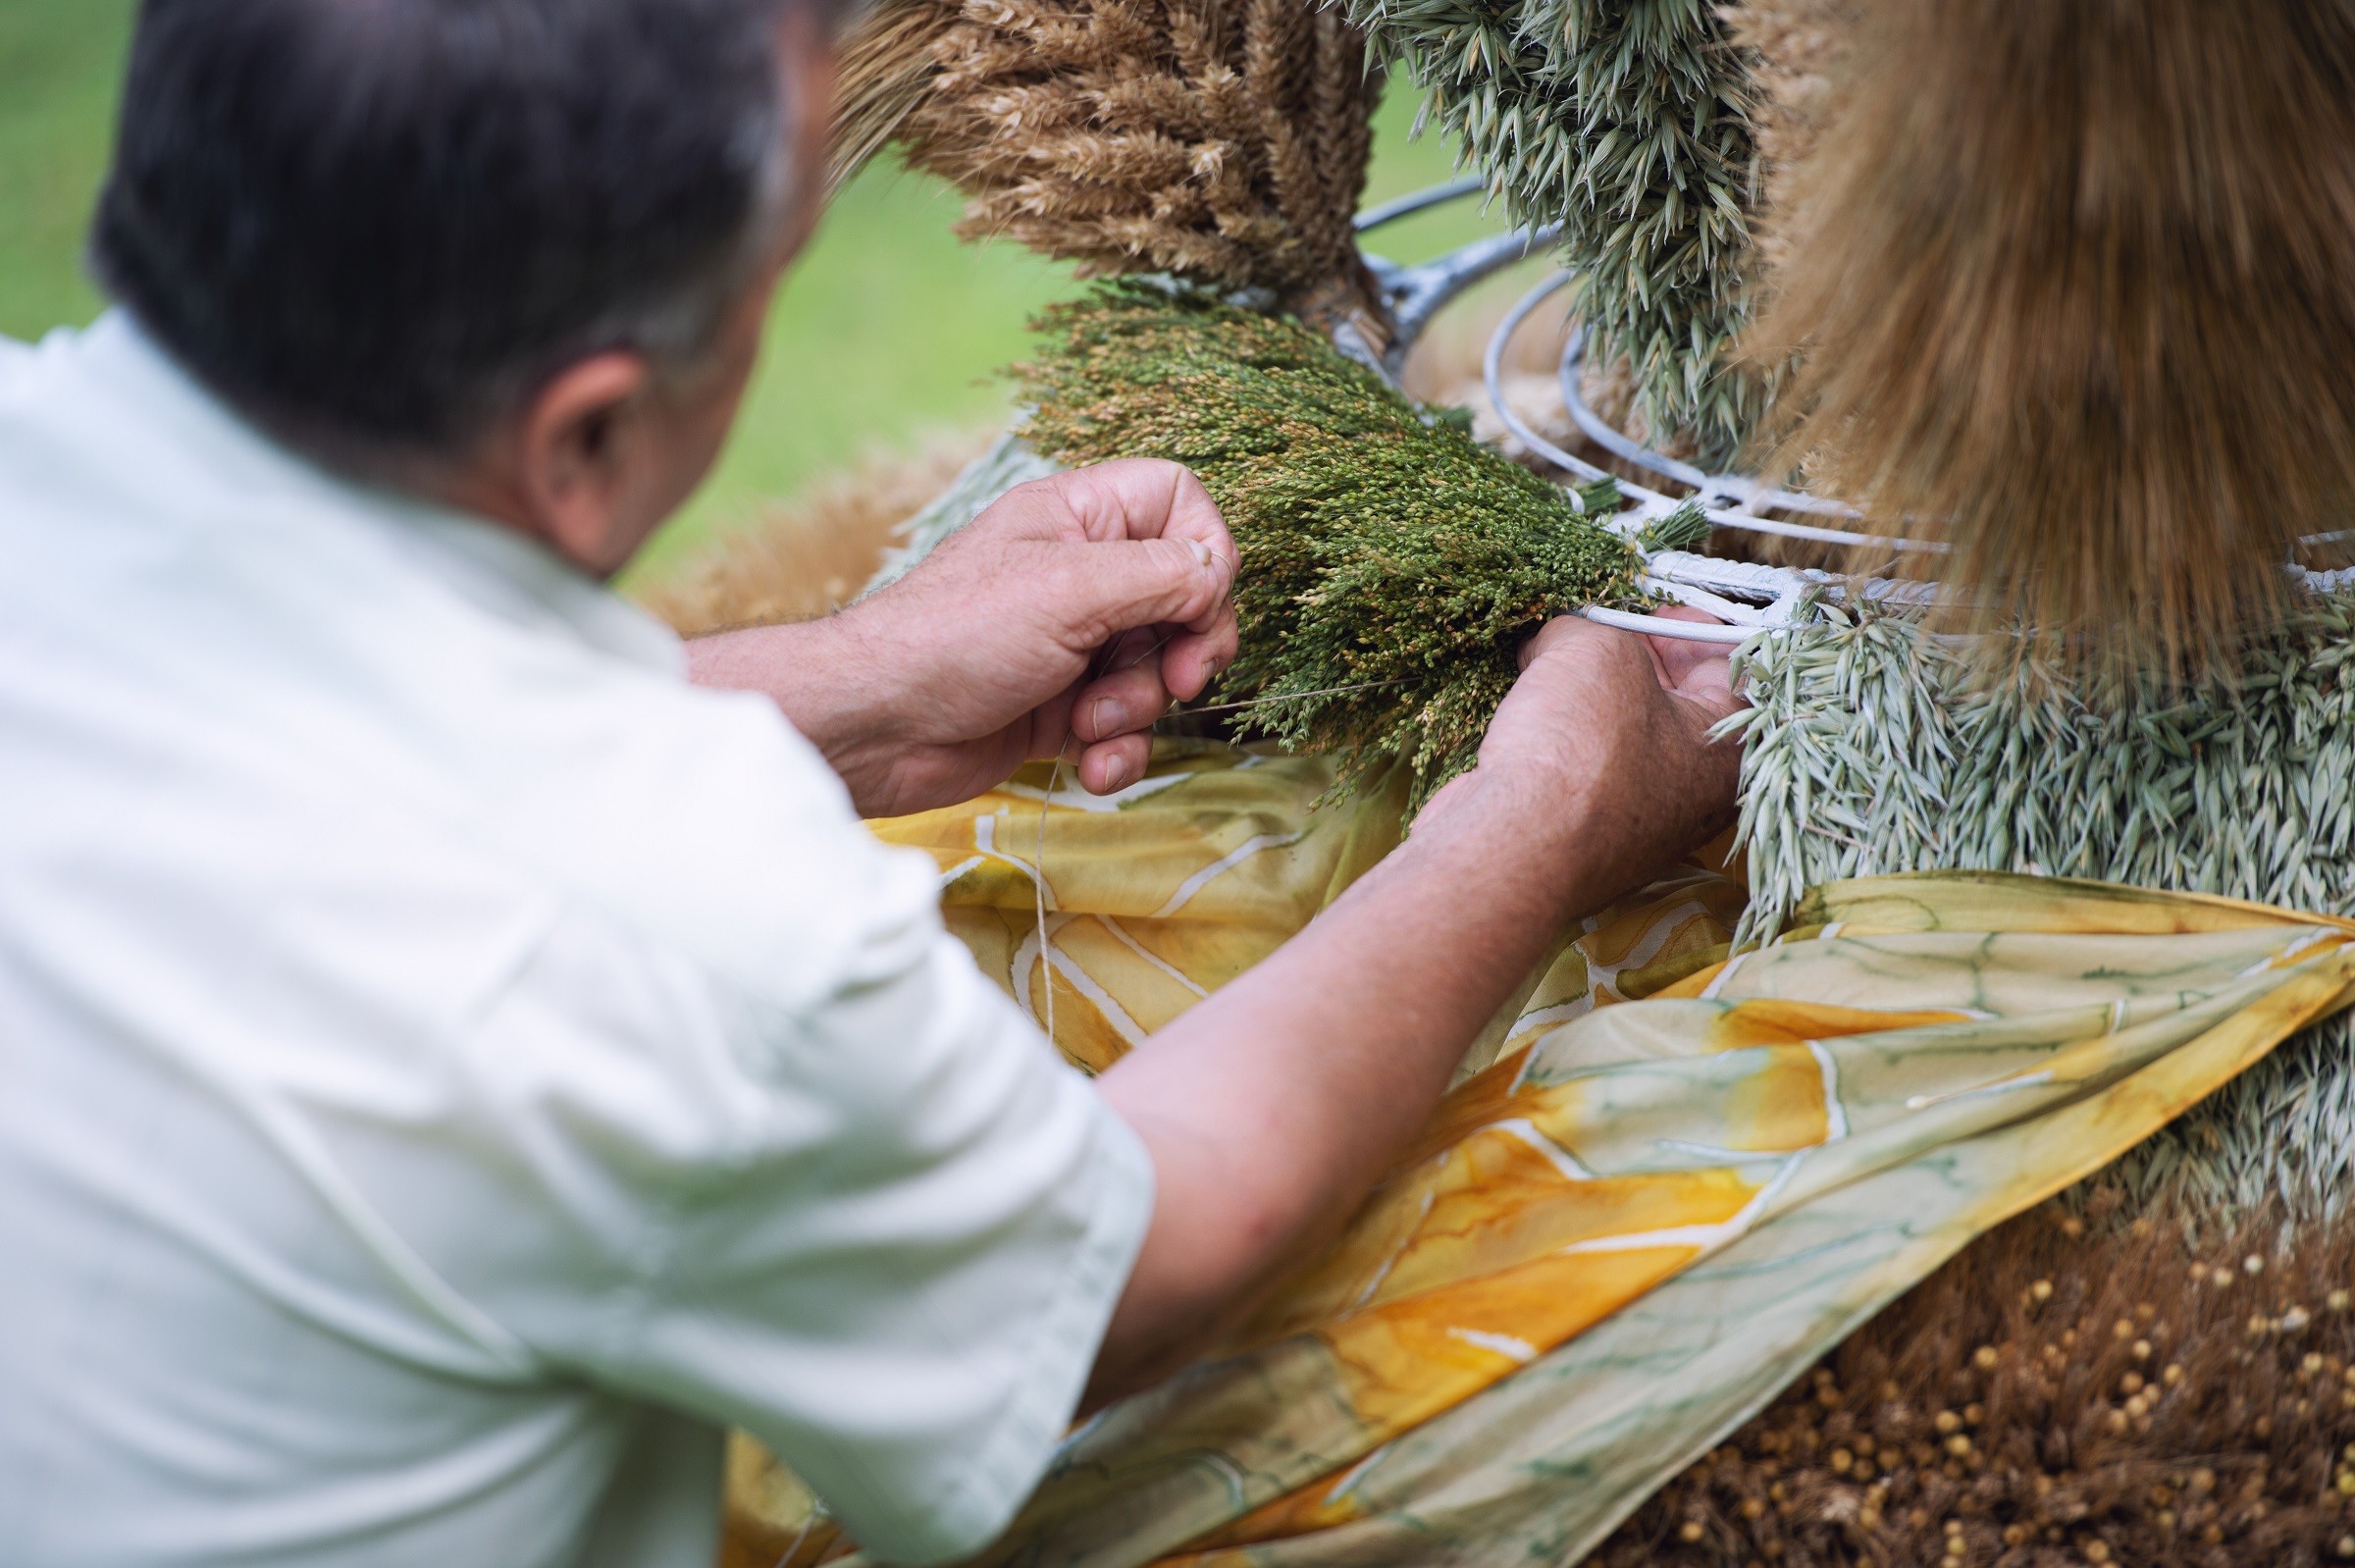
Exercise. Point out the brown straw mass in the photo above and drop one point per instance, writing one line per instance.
(2064, 1394)
(1222, 142)
(2071, 287)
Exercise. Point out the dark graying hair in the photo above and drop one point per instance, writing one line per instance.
(379, 225)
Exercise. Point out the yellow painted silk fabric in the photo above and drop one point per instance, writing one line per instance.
(1667, 1183)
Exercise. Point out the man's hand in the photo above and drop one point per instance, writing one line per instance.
(1061, 622)
(1614, 727)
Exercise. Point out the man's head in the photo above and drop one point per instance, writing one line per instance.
(511, 253)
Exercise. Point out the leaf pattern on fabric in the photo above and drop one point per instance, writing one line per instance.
(1669, 1179)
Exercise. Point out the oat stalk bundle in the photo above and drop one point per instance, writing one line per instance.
(1874, 747)
(1222, 142)
(1628, 122)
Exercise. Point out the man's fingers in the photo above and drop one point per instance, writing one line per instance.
(1100, 591)
(1709, 685)
(1121, 702)
(1049, 725)
(1140, 498)
(1101, 551)
(1192, 658)
(1696, 676)
(1700, 673)
(1111, 765)
(1676, 657)
(1561, 632)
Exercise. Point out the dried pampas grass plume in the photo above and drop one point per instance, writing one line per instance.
(1226, 143)
(1796, 50)
(808, 557)
(2074, 288)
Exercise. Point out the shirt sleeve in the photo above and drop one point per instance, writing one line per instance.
(882, 1230)
(906, 1306)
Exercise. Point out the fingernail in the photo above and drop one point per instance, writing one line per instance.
(1202, 553)
(1109, 716)
(1115, 774)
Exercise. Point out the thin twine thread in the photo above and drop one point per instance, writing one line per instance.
(1038, 879)
(818, 1516)
(1038, 891)
(1280, 696)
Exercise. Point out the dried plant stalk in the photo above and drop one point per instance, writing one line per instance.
(2069, 285)
(1796, 50)
(1391, 566)
(1224, 142)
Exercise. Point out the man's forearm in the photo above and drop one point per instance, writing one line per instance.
(1275, 1104)
(833, 688)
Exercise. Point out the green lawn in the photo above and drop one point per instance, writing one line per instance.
(886, 329)
(59, 60)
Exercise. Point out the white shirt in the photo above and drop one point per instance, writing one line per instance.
(450, 1067)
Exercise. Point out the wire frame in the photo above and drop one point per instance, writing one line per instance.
(1747, 598)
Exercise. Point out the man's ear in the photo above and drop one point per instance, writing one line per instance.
(577, 454)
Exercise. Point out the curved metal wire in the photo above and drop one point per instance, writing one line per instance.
(1492, 376)
(1744, 597)
(1659, 626)
(1415, 295)
(1747, 597)
(1741, 489)
(1714, 489)
(1413, 202)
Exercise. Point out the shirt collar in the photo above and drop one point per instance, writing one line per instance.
(496, 568)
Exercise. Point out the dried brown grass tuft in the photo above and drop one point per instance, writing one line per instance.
(810, 556)
(1223, 141)
(2070, 283)
(2061, 1392)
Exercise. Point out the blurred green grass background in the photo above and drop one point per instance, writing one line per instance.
(888, 327)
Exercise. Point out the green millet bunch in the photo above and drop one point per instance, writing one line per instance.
(1630, 123)
(1390, 565)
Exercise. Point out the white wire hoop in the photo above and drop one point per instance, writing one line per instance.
(1744, 597)
(1749, 598)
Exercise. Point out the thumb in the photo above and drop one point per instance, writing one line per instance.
(1119, 585)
